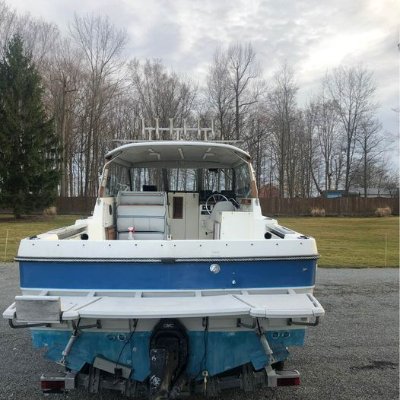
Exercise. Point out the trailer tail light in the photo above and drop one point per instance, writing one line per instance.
(52, 386)
(288, 381)
(285, 378)
(57, 384)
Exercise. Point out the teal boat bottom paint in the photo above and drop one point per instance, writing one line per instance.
(215, 352)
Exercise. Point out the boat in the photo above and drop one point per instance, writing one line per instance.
(176, 284)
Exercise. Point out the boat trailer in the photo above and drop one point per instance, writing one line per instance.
(169, 350)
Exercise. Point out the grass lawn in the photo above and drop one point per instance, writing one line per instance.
(352, 242)
(342, 242)
(13, 231)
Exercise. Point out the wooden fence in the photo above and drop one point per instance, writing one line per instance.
(75, 205)
(346, 206)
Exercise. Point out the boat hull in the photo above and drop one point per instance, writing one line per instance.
(167, 275)
(216, 352)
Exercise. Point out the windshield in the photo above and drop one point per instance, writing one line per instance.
(243, 178)
(232, 180)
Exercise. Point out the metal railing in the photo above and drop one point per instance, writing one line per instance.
(177, 133)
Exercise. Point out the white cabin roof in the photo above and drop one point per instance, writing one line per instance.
(183, 154)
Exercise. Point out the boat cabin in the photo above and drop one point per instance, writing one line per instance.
(176, 190)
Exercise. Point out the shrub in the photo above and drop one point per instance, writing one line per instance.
(50, 211)
(318, 212)
(383, 212)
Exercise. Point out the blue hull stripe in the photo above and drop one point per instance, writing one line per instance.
(225, 350)
(167, 276)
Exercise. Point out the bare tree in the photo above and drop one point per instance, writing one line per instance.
(351, 90)
(8, 24)
(283, 109)
(327, 137)
(336, 141)
(323, 118)
(302, 156)
(101, 45)
(66, 78)
(242, 70)
(310, 127)
(257, 142)
(233, 87)
(39, 36)
(369, 140)
(161, 94)
(221, 98)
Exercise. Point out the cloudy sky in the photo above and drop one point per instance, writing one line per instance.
(310, 35)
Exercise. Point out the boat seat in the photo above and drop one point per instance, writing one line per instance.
(216, 213)
(221, 206)
(136, 198)
(145, 212)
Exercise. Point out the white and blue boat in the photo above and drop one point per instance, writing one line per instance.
(176, 283)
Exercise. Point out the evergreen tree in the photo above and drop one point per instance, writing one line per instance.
(29, 147)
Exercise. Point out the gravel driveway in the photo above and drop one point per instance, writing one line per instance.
(353, 354)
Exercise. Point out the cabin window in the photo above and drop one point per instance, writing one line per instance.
(177, 206)
(226, 180)
(182, 180)
(145, 178)
(217, 180)
(171, 179)
(117, 179)
(242, 177)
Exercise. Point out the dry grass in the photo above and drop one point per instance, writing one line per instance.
(317, 212)
(50, 211)
(383, 212)
(352, 242)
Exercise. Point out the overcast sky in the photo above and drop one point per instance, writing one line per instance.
(310, 35)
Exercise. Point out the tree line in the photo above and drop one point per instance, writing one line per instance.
(95, 95)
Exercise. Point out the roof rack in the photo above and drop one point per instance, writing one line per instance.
(175, 133)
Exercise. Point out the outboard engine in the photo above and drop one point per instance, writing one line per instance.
(168, 358)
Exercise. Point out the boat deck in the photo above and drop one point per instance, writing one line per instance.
(283, 304)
